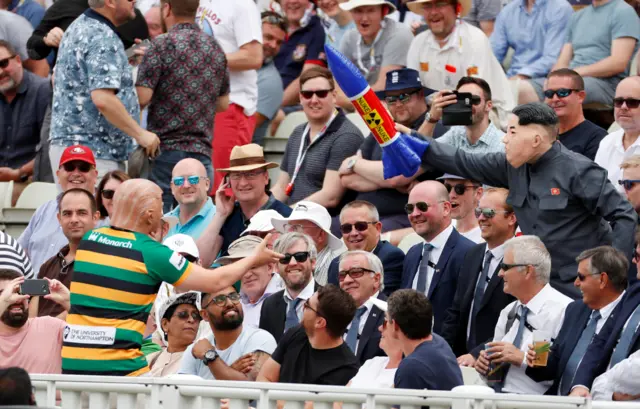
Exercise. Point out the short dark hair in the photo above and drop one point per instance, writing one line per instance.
(317, 72)
(275, 19)
(413, 313)
(183, 8)
(8, 275)
(114, 174)
(337, 307)
(578, 81)
(538, 113)
(15, 387)
(9, 47)
(484, 85)
(92, 199)
(608, 260)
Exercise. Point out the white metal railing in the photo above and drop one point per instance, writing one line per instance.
(95, 392)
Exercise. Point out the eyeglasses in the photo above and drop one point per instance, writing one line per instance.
(190, 258)
(360, 226)
(560, 92)
(403, 98)
(505, 266)
(422, 206)
(221, 300)
(4, 63)
(83, 167)
(275, 20)
(108, 193)
(460, 188)
(247, 175)
(632, 103)
(354, 273)
(321, 93)
(487, 212)
(584, 277)
(300, 256)
(193, 180)
(436, 5)
(307, 305)
(184, 315)
(298, 228)
(628, 184)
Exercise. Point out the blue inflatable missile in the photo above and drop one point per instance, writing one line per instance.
(400, 153)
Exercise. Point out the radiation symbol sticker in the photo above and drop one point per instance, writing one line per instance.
(373, 119)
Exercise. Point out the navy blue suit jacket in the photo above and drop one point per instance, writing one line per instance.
(598, 355)
(369, 341)
(445, 279)
(391, 257)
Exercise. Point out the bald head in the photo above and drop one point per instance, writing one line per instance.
(628, 118)
(437, 217)
(137, 206)
(432, 189)
(190, 196)
(189, 166)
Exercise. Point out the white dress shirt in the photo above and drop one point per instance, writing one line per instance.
(622, 378)
(252, 310)
(305, 294)
(363, 320)
(546, 313)
(611, 154)
(605, 312)
(438, 244)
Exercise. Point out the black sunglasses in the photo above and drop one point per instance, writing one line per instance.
(183, 315)
(83, 167)
(487, 213)
(4, 63)
(404, 97)
(583, 277)
(360, 226)
(422, 206)
(300, 256)
(628, 184)
(221, 300)
(632, 103)
(108, 193)
(505, 266)
(560, 92)
(321, 93)
(354, 273)
(459, 188)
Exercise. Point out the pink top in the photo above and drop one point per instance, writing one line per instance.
(35, 347)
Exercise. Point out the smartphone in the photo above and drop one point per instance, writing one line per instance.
(459, 113)
(34, 287)
(227, 191)
(131, 50)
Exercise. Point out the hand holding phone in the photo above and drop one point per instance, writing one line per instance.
(35, 288)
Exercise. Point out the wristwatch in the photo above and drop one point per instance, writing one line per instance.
(428, 118)
(209, 356)
(352, 163)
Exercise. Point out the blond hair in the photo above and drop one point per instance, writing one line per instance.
(631, 162)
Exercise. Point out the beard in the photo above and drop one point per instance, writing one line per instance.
(479, 115)
(13, 319)
(223, 323)
(10, 85)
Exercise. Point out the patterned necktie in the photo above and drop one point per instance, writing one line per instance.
(292, 314)
(354, 329)
(477, 297)
(578, 353)
(423, 274)
(624, 344)
(516, 343)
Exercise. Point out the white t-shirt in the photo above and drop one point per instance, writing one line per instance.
(374, 375)
(475, 235)
(234, 24)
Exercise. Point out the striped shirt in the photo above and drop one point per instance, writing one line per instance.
(117, 274)
(13, 256)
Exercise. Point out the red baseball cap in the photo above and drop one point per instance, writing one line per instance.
(77, 152)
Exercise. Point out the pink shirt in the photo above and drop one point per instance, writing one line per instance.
(35, 347)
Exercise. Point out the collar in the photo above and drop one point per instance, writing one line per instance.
(91, 13)
(305, 294)
(547, 157)
(369, 303)
(535, 304)
(537, 4)
(498, 252)
(491, 129)
(606, 311)
(272, 287)
(618, 141)
(184, 26)
(453, 41)
(63, 252)
(441, 239)
(26, 81)
(418, 122)
(206, 208)
(268, 204)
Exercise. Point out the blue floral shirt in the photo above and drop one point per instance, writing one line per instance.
(91, 57)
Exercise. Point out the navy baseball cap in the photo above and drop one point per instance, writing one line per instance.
(403, 79)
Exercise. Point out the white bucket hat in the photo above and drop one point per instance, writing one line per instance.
(181, 243)
(261, 221)
(352, 4)
(316, 214)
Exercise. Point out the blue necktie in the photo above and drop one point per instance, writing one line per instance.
(423, 274)
(578, 353)
(354, 329)
(516, 343)
(624, 344)
(477, 298)
(292, 314)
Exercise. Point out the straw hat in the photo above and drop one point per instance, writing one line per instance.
(239, 249)
(416, 6)
(352, 4)
(247, 157)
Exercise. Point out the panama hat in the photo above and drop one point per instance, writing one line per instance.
(247, 157)
(352, 4)
(416, 6)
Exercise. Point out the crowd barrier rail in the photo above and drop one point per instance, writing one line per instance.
(97, 392)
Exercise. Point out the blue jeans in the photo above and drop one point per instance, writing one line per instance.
(161, 169)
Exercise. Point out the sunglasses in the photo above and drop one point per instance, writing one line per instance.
(422, 206)
(487, 213)
(221, 300)
(360, 226)
(584, 277)
(403, 98)
(179, 180)
(298, 228)
(321, 93)
(436, 5)
(505, 266)
(275, 20)
(83, 167)
(632, 103)
(307, 305)
(354, 273)
(460, 188)
(4, 63)
(628, 184)
(300, 256)
(184, 315)
(108, 193)
(190, 258)
(560, 92)
(247, 175)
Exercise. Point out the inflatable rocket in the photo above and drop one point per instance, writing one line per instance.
(401, 154)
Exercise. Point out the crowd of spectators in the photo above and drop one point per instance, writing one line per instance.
(171, 251)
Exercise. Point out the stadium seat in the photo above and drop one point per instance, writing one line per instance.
(409, 241)
(289, 123)
(6, 193)
(36, 194)
(357, 121)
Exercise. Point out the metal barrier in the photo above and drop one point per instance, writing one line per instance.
(162, 393)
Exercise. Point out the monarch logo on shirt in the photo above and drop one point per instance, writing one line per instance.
(300, 52)
(95, 236)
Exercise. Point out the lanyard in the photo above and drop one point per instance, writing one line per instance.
(302, 151)
(372, 51)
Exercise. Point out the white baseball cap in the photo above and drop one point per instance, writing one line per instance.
(261, 221)
(313, 212)
(181, 243)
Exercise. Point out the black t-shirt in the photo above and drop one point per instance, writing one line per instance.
(583, 139)
(301, 363)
